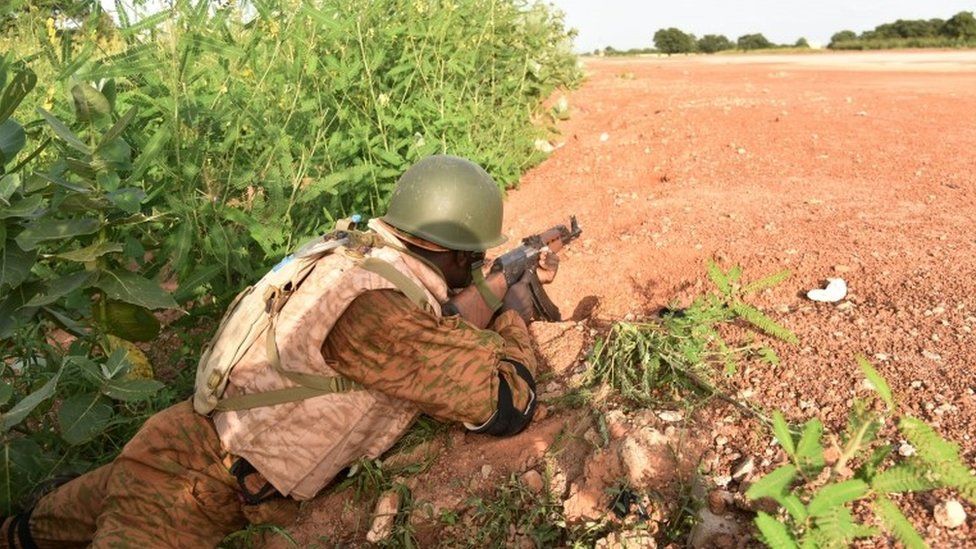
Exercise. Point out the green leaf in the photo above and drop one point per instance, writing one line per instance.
(767, 282)
(62, 182)
(12, 140)
(117, 128)
(82, 417)
(15, 264)
(895, 523)
(769, 356)
(90, 104)
(147, 22)
(128, 199)
(6, 391)
(9, 184)
(718, 278)
(902, 478)
(64, 132)
(66, 322)
(390, 157)
(20, 469)
(870, 466)
(794, 507)
(837, 528)
(774, 484)
(877, 381)
(809, 452)
(774, 533)
(941, 456)
(60, 287)
(149, 153)
(836, 494)
(132, 288)
(128, 321)
(783, 435)
(18, 412)
(759, 320)
(114, 155)
(90, 253)
(23, 208)
(22, 83)
(44, 230)
(196, 279)
(116, 363)
(129, 390)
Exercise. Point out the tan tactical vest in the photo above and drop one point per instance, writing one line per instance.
(300, 446)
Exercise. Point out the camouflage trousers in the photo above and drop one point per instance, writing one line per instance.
(170, 487)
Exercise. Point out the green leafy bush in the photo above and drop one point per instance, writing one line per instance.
(817, 492)
(640, 358)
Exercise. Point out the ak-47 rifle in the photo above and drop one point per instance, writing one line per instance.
(472, 303)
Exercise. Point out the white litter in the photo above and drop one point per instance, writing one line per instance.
(835, 291)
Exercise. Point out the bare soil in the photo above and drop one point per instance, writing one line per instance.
(859, 166)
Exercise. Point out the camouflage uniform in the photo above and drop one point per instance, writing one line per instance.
(171, 485)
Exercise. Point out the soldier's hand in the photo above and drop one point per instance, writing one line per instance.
(518, 298)
(548, 266)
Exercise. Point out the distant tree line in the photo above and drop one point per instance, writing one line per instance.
(673, 40)
(959, 30)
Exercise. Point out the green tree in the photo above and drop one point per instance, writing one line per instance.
(842, 36)
(711, 43)
(753, 42)
(801, 43)
(672, 40)
(961, 25)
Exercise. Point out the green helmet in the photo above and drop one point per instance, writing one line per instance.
(449, 201)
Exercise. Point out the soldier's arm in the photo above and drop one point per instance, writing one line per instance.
(449, 368)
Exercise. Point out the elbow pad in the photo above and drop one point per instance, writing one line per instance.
(508, 420)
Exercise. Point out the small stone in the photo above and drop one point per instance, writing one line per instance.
(916, 384)
(881, 356)
(722, 480)
(740, 150)
(629, 317)
(384, 516)
(671, 416)
(604, 136)
(743, 469)
(906, 450)
(950, 514)
(541, 412)
(932, 356)
(485, 471)
(532, 480)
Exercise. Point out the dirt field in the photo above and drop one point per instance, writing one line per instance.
(858, 166)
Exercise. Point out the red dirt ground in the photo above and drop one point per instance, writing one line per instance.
(859, 166)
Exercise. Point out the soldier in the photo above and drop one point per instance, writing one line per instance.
(188, 479)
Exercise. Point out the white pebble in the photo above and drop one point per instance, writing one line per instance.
(950, 514)
(906, 450)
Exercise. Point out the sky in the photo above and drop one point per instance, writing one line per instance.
(626, 24)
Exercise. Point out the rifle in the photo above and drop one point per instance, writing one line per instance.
(508, 269)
